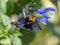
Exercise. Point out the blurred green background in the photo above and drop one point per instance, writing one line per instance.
(10, 35)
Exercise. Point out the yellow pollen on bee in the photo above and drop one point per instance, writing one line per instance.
(32, 18)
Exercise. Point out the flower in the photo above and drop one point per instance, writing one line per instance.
(43, 11)
(31, 20)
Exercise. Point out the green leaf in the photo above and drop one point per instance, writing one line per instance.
(4, 19)
(14, 32)
(16, 41)
(3, 6)
(4, 40)
(14, 37)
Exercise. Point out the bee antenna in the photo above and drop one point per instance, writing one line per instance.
(30, 4)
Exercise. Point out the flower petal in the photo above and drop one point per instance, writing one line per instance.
(41, 20)
(45, 15)
(49, 9)
(22, 25)
(38, 27)
(40, 11)
(31, 29)
(43, 10)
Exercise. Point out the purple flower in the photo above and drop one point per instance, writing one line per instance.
(43, 11)
(28, 22)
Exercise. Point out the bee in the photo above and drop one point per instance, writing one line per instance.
(26, 16)
(29, 21)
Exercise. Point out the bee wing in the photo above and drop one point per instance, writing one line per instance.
(23, 15)
(20, 17)
(27, 9)
(25, 12)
